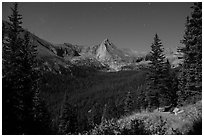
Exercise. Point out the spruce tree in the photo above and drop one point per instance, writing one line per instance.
(190, 79)
(12, 77)
(155, 75)
(168, 96)
(161, 80)
(20, 76)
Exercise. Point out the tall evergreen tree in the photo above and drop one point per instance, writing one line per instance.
(161, 80)
(155, 75)
(12, 80)
(20, 79)
(190, 79)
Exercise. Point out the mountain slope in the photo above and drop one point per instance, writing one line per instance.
(104, 55)
(46, 53)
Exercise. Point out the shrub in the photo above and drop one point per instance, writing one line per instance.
(156, 126)
(107, 127)
(136, 128)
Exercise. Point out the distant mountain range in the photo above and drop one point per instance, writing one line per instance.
(105, 56)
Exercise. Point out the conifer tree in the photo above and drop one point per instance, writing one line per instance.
(190, 79)
(168, 96)
(155, 75)
(12, 80)
(19, 79)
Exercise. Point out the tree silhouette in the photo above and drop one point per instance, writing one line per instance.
(155, 75)
(20, 79)
(190, 79)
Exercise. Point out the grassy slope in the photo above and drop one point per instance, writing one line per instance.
(182, 123)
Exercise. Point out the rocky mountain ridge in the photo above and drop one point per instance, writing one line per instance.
(104, 55)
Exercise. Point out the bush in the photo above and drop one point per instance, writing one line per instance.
(156, 126)
(107, 127)
(136, 128)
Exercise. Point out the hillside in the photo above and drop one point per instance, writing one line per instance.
(188, 122)
(91, 90)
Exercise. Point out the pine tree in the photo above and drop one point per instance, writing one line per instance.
(168, 96)
(155, 75)
(12, 86)
(20, 79)
(190, 79)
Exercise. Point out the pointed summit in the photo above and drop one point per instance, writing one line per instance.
(108, 51)
(106, 42)
(102, 50)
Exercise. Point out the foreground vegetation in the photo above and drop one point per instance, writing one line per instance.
(155, 123)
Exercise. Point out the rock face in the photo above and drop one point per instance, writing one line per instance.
(108, 51)
(102, 51)
(109, 54)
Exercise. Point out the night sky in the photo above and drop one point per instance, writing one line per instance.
(127, 25)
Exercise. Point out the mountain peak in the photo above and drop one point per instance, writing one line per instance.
(106, 39)
(106, 42)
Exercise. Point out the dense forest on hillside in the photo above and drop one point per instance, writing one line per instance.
(86, 100)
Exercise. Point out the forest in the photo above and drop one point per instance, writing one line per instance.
(89, 101)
